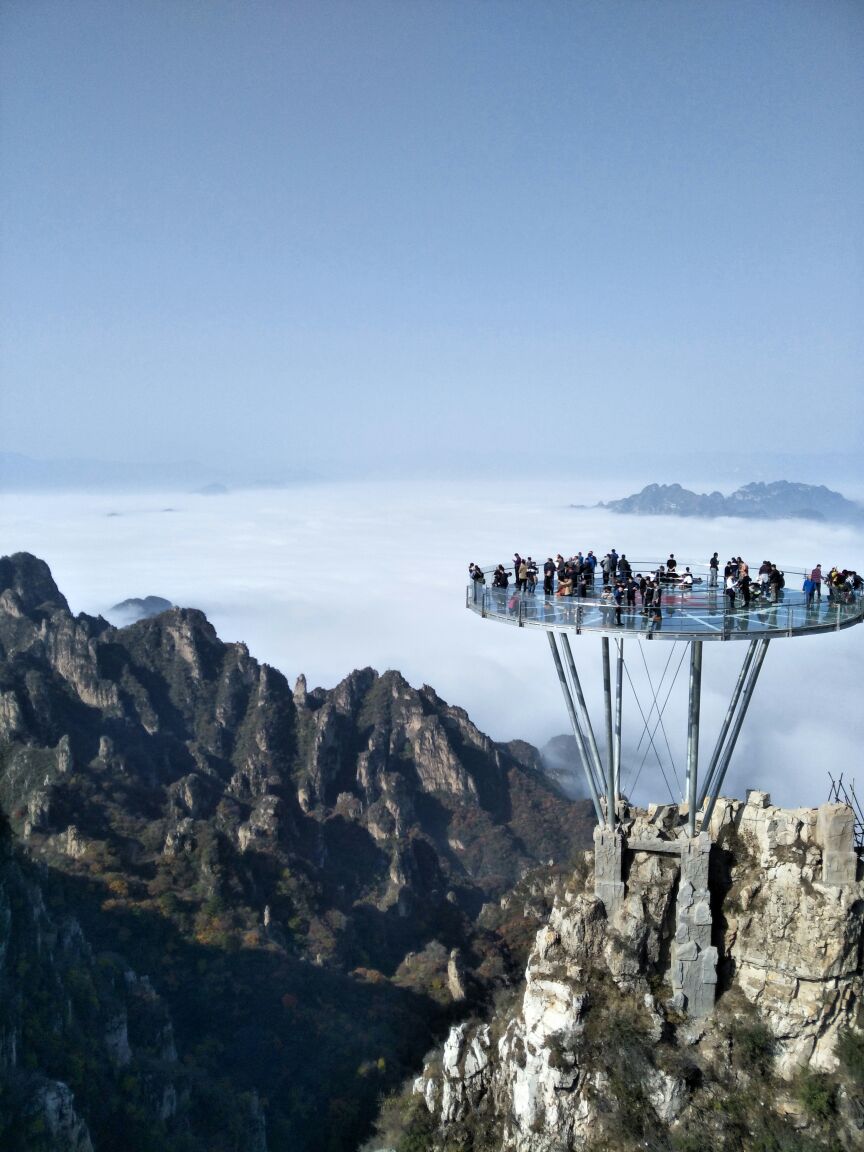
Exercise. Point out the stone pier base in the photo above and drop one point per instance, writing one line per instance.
(608, 883)
(694, 959)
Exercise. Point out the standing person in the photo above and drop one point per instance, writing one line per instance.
(730, 591)
(816, 577)
(671, 564)
(713, 565)
(618, 595)
(632, 587)
(809, 589)
(591, 561)
(518, 566)
(624, 569)
(531, 574)
(744, 585)
(548, 576)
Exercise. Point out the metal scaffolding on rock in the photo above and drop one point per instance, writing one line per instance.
(693, 615)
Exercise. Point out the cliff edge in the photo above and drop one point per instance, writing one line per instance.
(595, 1051)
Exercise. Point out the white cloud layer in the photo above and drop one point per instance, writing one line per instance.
(326, 578)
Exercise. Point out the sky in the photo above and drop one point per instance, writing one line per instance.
(541, 248)
(375, 236)
(325, 578)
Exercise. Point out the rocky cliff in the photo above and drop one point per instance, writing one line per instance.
(596, 1053)
(297, 872)
(88, 1058)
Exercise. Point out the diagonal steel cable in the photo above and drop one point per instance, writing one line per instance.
(660, 711)
(650, 745)
(651, 686)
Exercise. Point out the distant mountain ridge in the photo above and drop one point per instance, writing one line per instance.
(778, 500)
(20, 473)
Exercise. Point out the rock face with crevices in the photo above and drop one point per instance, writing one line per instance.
(596, 1053)
(282, 863)
(795, 932)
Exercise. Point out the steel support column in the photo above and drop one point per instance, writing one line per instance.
(610, 750)
(577, 731)
(585, 718)
(693, 716)
(747, 695)
(716, 755)
(619, 683)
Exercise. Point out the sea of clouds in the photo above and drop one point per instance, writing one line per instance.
(325, 578)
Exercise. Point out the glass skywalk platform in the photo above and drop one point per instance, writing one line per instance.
(697, 613)
(689, 614)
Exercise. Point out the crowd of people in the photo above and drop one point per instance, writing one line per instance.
(620, 586)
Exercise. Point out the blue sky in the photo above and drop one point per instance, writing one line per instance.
(331, 234)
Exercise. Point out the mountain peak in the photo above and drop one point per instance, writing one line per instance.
(30, 579)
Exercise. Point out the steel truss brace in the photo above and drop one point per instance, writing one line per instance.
(613, 723)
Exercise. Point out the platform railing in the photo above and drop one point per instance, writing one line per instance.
(701, 611)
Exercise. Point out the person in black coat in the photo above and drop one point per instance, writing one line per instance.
(548, 576)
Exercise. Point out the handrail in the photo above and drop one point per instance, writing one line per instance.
(688, 613)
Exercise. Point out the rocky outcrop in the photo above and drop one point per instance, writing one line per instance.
(79, 1012)
(795, 923)
(786, 934)
(53, 1104)
(268, 855)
